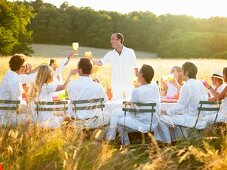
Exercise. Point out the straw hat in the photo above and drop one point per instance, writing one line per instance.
(218, 74)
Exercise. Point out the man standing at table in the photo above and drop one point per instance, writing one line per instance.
(123, 61)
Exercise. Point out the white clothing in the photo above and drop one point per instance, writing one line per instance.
(44, 118)
(219, 89)
(171, 89)
(141, 121)
(57, 77)
(11, 86)
(122, 71)
(222, 115)
(185, 111)
(84, 88)
(11, 89)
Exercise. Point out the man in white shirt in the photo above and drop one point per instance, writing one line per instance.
(84, 88)
(148, 92)
(11, 86)
(123, 61)
(184, 112)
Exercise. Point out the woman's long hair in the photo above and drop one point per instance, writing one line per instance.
(44, 75)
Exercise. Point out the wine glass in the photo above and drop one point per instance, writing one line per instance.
(75, 45)
(171, 77)
(87, 54)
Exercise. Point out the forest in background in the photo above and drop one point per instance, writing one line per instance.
(170, 36)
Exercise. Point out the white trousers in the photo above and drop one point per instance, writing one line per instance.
(118, 122)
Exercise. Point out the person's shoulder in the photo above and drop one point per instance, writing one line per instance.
(109, 53)
(73, 83)
(153, 84)
(128, 49)
(136, 90)
(97, 85)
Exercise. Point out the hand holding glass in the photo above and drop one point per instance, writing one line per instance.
(87, 54)
(75, 46)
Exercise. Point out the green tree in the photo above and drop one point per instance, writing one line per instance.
(14, 37)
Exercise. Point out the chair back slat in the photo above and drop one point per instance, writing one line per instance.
(138, 110)
(9, 102)
(98, 100)
(91, 104)
(50, 109)
(56, 106)
(210, 103)
(138, 104)
(208, 109)
(52, 103)
(93, 107)
(9, 108)
(10, 105)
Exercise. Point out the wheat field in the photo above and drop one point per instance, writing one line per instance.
(28, 147)
(161, 66)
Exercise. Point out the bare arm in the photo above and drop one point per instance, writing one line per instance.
(63, 86)
(220, 96)
(213, 92)
(163, 89)
(96, 62)
(35, 70)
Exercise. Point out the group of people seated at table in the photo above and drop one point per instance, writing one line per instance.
(45, 81)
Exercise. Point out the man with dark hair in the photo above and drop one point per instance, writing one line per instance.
(11, 87)
(84, 88)
(123, 61)
(148, 92)
(184, 112)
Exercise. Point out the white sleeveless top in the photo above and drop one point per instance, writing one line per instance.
(171, 90)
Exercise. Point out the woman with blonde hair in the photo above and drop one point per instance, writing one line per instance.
(171, 87)
(42, 91)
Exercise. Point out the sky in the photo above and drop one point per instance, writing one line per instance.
(196, 8)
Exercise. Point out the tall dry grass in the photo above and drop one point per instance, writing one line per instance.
(161, 66)
(29, 147)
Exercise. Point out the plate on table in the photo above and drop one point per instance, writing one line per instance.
(167, 100)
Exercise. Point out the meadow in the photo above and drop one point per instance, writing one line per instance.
(28, 147)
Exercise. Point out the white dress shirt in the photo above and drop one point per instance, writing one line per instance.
(11, 86)
(122, 71)
(141, 121)
(191, 93)
(11, 89)
(84, 88)
(147, 94)
(183, 113)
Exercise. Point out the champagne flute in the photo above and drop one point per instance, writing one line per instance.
(87, 54)
(75, 45)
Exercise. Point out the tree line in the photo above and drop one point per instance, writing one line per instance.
(170, 36)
